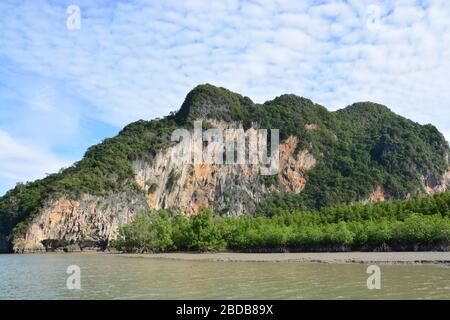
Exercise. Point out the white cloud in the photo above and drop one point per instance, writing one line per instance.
(23, 162)
(138, 59)
(447, 135)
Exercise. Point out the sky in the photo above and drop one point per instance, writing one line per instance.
(65, 86)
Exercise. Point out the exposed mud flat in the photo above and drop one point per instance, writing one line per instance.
(314, 257)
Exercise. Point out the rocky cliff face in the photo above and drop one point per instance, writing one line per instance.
(364, 153)
(432, 186)
(85, 224)
(234, 189)
(229, 188)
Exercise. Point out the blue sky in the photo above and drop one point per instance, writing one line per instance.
(63, 90)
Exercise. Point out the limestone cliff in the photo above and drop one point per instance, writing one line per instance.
(85, 224)
(228, 188)
(364, 152)
(91, 222)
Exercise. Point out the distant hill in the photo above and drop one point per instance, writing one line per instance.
(361, 153)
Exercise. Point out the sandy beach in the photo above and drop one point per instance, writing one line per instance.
(315, 257)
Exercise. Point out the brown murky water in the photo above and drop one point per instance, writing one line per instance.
(118, 277)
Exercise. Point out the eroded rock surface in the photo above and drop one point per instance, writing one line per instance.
(85, 224)
(91, 222)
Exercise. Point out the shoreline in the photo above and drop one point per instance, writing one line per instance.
(414, 258)
(441, 258)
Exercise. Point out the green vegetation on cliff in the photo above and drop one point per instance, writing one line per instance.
(105, 168)
(358, 149)
(422, 223)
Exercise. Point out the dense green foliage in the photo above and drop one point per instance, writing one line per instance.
(358, 148)
(105, 168)
(400, 225)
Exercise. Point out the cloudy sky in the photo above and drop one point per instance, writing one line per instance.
(64, 89)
